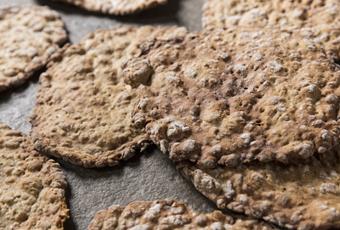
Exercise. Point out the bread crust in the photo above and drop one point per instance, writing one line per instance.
(319, 19)
(30, 35)
(116, 7)
(32, 188)
(254, 104)
(167, 214)
(83, 110)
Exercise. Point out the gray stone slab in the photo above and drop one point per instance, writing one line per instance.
(146, 177)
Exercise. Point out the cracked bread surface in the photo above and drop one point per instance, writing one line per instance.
(83, 110)
(167, 214)
(30, 35)
(32, 187)
(115, 7)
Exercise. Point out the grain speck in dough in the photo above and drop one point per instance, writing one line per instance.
(29, 36)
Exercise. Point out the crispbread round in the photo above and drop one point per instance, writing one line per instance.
(295, 196)
(29, 36)
(262, 13)
(32, 187)
(319, 18)
(83, 111)
(166, 214)
(251, 103)
(116, 7)
(225, 98)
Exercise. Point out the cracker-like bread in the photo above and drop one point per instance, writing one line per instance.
(29, 35)
(83, 110)
(252, 103)
(262, 13)
(116, 7)
(167, 214)
(251, 96)
(319, 19)
(301, 196)
(32, 187)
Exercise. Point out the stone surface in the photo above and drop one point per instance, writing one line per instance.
(149, 177)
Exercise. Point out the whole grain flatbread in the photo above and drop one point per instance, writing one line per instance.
(258, 13)
(237, 102)
(32, 187)
(301, 196)
(319, 19)
(83, 111)
(167, 214)
(216, 94)
(116, 7)
(28, 37)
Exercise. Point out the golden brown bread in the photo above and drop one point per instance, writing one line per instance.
(167, 214)
(243, 110)
(83, 110)
(115, 7)
(30, 35)
(32, 187)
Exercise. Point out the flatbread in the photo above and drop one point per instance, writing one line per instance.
(167, 214)
(216, 94)
(319, 18)
(230, 101)
(83, 110)
(32, 187)
(116, 7)
(258, 13)
(296, 196)
(29, 35)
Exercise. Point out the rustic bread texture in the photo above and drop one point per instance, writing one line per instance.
(83, 111)
(302, 196)
(249, 104)
(258, 13)
(32, 187)
(225, 98)
(167, 214)
(116, 7)
(29, 36)
(319, 18)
